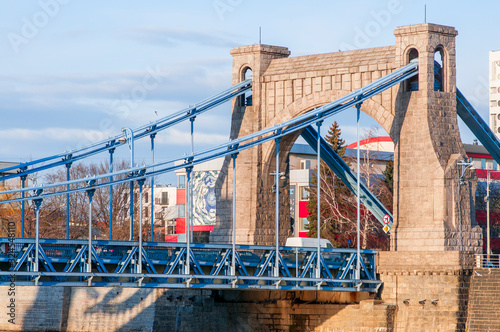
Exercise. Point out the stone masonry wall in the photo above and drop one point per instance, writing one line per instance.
(430, 289)
(484, 301)
(148, 309)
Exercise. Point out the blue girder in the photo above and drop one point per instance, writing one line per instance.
(472, 119)
(478, 126)
(342, 170)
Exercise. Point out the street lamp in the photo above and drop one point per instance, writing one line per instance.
(130, 141)
(464, 165)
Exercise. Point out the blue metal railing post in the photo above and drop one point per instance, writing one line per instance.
(130, 141)
(111, 151)
(318, 190)
(90, 194)
(188, 221)
(68, 167)
(277, 184)
(131, 235)
(192, 154)
(358, 205)
(233, 262)
(23, 212)
(141, 183)
(152, 187)
(38, 203)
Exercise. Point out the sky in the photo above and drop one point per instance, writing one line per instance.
(75, 72)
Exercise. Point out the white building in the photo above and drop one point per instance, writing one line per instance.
(165, 208)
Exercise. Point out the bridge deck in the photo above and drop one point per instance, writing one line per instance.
(117, 263)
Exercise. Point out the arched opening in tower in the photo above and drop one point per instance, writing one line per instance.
(412, 83)
(438, 69)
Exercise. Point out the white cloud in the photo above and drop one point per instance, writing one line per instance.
(54, 134)
(176, 137)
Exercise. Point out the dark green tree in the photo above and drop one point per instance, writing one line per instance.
(388, 175)
(334, 140)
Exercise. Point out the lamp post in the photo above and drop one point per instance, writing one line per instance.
(130, 141)
(464, 165)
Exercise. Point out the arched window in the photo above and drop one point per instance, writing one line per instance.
(412, 83)
(247, 74)
(438, 70)
(246, 100)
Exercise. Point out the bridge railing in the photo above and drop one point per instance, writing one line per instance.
(66, 262)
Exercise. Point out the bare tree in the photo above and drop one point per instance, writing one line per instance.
(338, 204)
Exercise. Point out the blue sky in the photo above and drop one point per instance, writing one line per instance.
(71, 71)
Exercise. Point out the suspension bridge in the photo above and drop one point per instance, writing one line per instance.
(235, 264)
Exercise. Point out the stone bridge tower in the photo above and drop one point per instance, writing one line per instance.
(432, 211)
(433, 235)
(421, 121)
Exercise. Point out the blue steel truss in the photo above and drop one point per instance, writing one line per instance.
(343, 171)
(65, 264)
(478, 127)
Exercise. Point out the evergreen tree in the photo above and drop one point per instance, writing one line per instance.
(386, 189)
(334, 140)
(388, 175)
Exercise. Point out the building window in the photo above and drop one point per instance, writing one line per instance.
(304, 194)
(146, 211)
(303, 223)
(182, 210)
(182, 181)
(164, 198)
(146, 198)
(493, 103)
(483, 163)
(171, 227)
(305, 164)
